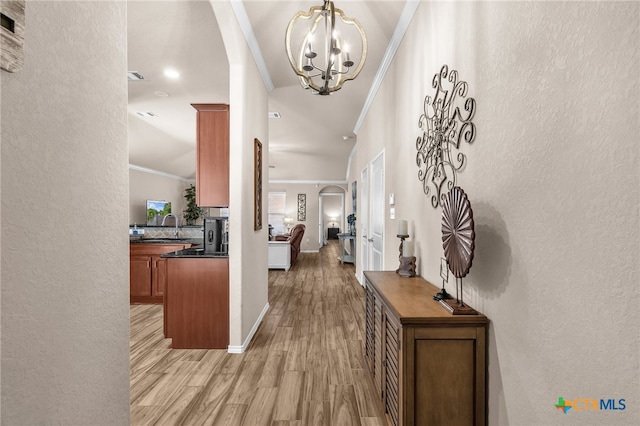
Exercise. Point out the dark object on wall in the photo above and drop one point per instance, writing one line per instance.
(443, 126)
(458, 242)
(294, 238)
(354, 196)
(12, 34)
(302, 208)
(257, 185)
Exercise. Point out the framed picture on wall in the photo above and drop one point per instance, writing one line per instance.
(302, 207)
(354, 195)
(257, 185)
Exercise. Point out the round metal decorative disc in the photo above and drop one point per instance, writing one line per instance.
(458, 235)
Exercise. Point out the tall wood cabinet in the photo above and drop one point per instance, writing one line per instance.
(428, 366)
(212, 159)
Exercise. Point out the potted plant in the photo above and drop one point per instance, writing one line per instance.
(192, 213)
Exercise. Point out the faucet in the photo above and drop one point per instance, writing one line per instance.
(175, 220)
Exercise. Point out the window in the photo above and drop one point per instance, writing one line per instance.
(277, 211)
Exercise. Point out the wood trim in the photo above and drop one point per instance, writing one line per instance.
(481, 379)
(211, 107)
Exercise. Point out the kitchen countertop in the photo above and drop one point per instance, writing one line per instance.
(138, 240)
(194, 252)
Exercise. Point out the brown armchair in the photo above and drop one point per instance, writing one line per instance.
(294, 238)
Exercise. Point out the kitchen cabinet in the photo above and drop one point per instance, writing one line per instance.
(196, 303)
(428, 366)
(147, 271)
(212, 155)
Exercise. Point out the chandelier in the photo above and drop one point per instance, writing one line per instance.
(326, 47)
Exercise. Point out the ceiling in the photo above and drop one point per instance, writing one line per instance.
(306, 144)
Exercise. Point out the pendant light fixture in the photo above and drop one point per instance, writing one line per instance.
(325, 48)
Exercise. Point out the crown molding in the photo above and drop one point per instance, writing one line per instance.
(401, 28)
(159, 173)
(252, 42)
(309, 182)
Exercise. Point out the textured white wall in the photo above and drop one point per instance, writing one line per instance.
(65, 310)
(147, 186)
(248, 268)
(553, 178)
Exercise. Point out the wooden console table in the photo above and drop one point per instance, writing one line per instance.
(429, 367)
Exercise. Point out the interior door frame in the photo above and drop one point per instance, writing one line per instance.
(363, 221)
(382, 209)
(321, 213)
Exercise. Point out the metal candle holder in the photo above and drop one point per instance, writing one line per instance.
(402, 238)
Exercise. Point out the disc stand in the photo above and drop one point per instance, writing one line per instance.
(457, 306)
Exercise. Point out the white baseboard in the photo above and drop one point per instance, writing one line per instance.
(241, 349)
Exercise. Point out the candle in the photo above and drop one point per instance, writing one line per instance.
(407, 249)
(402, 227)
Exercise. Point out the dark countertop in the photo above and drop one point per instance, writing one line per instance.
(138, 240)
(194, 252)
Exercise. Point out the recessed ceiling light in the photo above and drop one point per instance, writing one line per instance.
(171, 73)
(134, 76)
(161, 94)
(274, 114)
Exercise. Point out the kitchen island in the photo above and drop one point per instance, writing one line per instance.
(196, 299)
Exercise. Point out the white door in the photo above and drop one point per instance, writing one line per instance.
(376, 207)
(363, 220)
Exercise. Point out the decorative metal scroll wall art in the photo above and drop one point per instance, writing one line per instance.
(458, 242)
(302, 207)
(443, 126)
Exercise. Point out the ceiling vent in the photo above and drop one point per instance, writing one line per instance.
(135, 76)
(146, 114)
(274, 114)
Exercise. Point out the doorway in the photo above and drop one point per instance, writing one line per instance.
(331, 214)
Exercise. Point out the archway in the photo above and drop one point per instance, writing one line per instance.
(331, 213)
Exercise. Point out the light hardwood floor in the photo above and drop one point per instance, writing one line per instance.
(304, 365)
